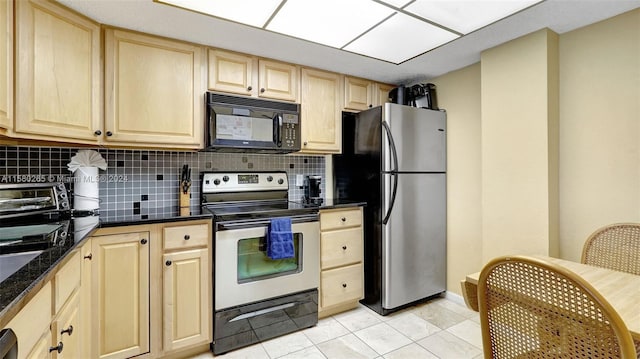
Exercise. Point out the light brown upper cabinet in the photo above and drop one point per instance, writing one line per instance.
(154, 91)
(321, 117)
(247, 75)
(361, 94)
(6, 66)
(381, 94)
(58, 76)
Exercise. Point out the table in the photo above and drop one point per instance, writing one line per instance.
(620, 289)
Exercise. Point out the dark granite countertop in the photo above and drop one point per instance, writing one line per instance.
(16, 288)
(331, 203)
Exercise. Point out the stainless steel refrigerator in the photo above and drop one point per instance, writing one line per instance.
(394, 158)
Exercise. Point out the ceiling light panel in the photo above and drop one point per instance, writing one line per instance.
(328, 22)
(400, 38)
(467, 16)
(249, 12)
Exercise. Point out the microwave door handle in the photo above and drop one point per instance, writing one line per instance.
(277, 120)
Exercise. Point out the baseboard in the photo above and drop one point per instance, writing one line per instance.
(455, 297)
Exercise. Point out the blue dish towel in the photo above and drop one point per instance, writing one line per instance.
(280, 239)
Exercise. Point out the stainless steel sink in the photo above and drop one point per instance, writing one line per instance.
(12, 262)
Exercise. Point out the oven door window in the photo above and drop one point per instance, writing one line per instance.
(254, 264)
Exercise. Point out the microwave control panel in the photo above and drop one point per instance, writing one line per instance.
(290, 131)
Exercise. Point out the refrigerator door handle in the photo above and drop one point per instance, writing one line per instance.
(393, 172)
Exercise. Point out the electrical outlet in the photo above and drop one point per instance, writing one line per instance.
(299, 180)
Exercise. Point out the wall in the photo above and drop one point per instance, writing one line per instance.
(519, 146)
(598, 141)
(145, 183)
(459, 94)
(599, 129)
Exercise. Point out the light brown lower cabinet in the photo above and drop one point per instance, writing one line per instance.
(341, 258)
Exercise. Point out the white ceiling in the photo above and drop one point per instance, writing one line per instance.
(155, 18)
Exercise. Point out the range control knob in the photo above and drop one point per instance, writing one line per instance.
(216, 181)
(269, 178)
(280, 181)
(225, 178)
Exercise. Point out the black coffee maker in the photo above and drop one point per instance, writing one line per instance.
(312, 190)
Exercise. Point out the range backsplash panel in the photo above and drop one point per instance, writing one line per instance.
(145, 183)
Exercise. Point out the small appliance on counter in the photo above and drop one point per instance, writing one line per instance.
(312, 190)
(33, 218)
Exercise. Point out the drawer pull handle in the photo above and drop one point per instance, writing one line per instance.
(344, 285)
(57, 348)
(187, 237)
(68, 330)
(344, 248)
(168, 263)
(88, 256)
(143, 241)
(343, 219)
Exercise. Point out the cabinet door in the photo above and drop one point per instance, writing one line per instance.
(120, 302)
(31, 324)
(231, 72)
(154, 91)
(6, 65)
(68, 329)
(278, 80)
(57, 72)
(321, 112)
(381, 94)
(357, 94)
(186, 299)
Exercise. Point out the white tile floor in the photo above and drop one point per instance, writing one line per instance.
(440, 328)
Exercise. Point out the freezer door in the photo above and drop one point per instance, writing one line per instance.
(414, 240)
(420, 138)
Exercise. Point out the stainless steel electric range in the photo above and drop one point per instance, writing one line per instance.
(255, 297)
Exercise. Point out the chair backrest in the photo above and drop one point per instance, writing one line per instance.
(530, 308)
(616, 246)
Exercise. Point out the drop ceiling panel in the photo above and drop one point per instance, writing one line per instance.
(328, 22)
(400, 38)
(466, 16)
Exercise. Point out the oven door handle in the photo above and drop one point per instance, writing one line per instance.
(229, 225)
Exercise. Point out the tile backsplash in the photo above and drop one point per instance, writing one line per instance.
(146, 182)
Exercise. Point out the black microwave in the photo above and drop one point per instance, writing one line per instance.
(243, 124)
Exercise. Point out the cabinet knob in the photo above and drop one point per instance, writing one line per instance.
(344, 285)
(68, 330)
(97, 132)
(109, 133)
(262, 90)
(344, 248)
(168, 263)
(343, 219)
(305, 143)
(88, 256)
(187, 237)
(249, 88)
(370, 105)
(57, 348)
(143, 241)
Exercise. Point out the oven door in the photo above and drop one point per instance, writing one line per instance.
(243, 272)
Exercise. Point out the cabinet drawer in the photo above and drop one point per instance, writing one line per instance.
(341, 247)
(340, 219)
(67, 280)
(341, 285)
(179, 237)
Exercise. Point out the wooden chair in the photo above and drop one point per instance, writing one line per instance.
(530, 308)
(616, 246)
